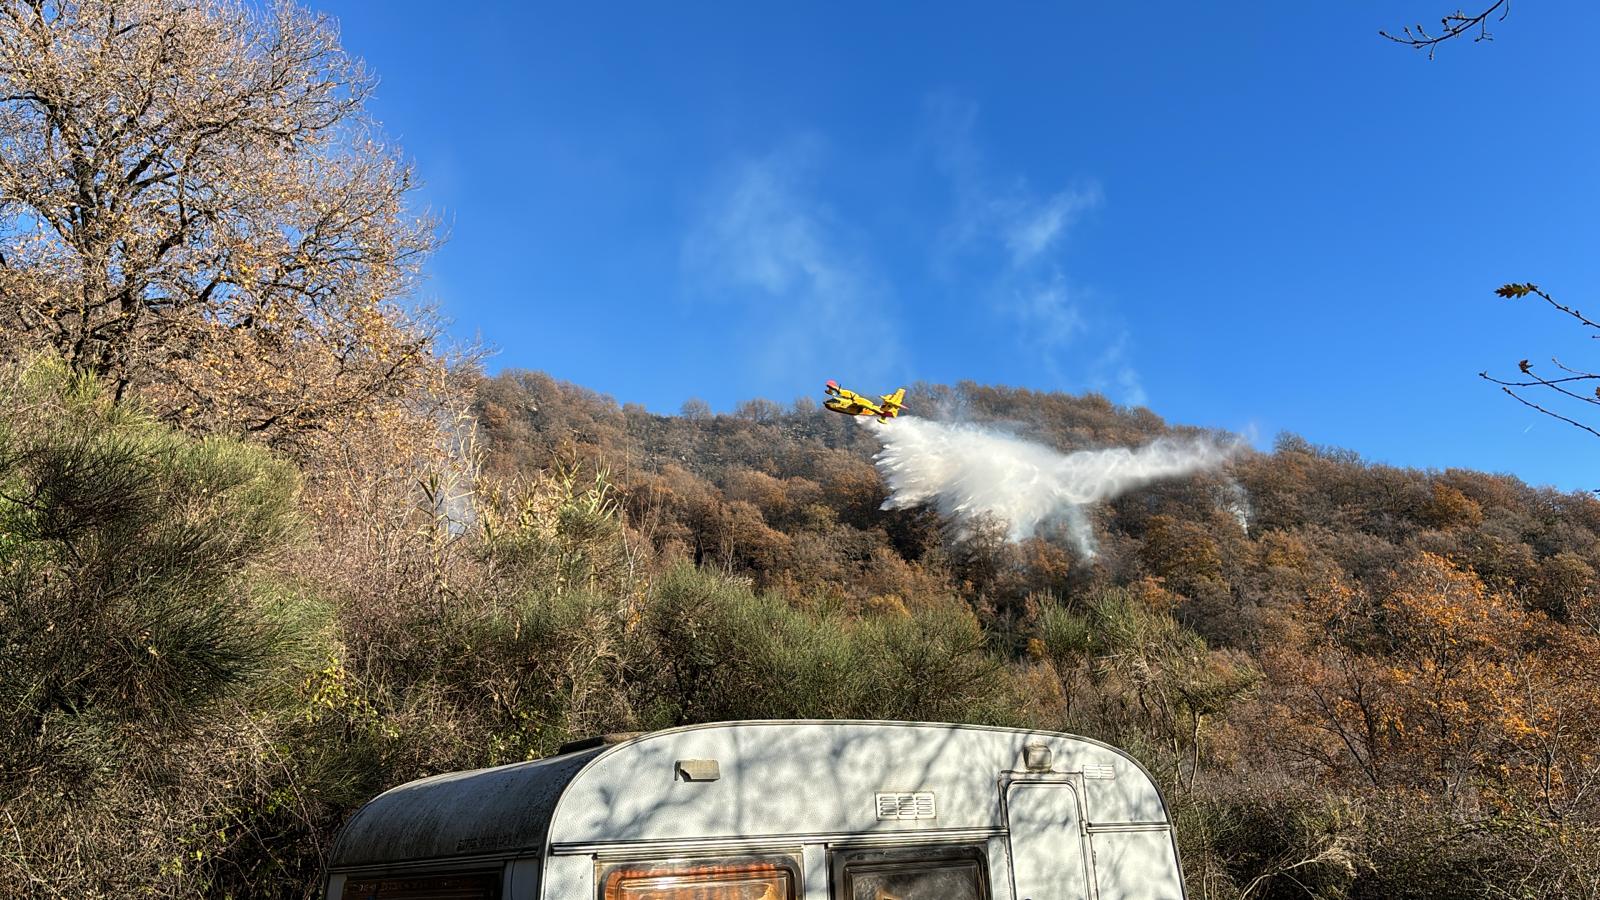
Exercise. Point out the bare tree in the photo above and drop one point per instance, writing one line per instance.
(1570, 383)
(695, 410)
(1451, 26)
(194, 207)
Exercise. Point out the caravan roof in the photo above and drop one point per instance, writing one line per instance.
(743, 782)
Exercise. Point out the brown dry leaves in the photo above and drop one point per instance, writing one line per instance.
(193, 206)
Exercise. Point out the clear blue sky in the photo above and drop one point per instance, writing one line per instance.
(1256, 216)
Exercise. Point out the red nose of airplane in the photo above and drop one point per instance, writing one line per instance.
(832, 383)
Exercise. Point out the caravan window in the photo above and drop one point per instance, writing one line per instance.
(925, 874)
(738, 879)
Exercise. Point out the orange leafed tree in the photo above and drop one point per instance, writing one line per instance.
(1453, 669)
(1438, 683)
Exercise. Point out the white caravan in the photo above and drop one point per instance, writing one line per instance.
(776, 811)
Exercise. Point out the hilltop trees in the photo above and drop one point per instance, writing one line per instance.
(1385, 685)
(1370, 681)
(194, 208)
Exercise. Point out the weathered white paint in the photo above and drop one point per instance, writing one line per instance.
(1149, 852)
(1047, 846)
(796, 787)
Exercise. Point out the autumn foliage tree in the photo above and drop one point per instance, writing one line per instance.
(1452, 669)
(1434, 682)
(194, 208)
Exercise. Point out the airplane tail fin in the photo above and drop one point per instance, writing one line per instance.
(893, 403)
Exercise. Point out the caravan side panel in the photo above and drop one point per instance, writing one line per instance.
(1137, 864)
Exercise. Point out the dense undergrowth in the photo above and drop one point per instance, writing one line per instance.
(1383, 687)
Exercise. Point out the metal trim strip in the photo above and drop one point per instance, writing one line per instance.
(775, 841)
(1116, 827)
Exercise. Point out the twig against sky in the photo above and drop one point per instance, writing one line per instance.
(1452, 26)
(1559, 385)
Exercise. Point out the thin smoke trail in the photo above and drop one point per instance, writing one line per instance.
(967, 472)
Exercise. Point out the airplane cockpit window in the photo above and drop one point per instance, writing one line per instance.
(741, 879)
(926, 874)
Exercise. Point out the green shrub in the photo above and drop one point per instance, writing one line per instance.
(123, 547)
(718, 650)
(133, 647)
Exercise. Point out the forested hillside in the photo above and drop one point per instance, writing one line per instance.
(1377, 682)
(270, 545)
(1369, 680)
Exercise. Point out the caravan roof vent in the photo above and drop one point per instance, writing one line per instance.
(698, 770)
(1036, 757)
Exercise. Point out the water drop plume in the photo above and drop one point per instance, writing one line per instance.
(967, 472)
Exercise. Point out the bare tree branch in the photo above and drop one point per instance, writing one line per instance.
(1451, 26)
(1560, 385)
(1553, 415)
(1554, 384)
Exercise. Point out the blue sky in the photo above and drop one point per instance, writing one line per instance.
(1256, 216)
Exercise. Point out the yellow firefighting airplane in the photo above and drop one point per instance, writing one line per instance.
(853, 404)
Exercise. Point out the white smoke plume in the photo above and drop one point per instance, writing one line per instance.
(967, 471)
(1231, 496)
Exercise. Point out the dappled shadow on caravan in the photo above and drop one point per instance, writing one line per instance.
(776, 811)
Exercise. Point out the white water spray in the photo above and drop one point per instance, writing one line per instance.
(966, 471)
